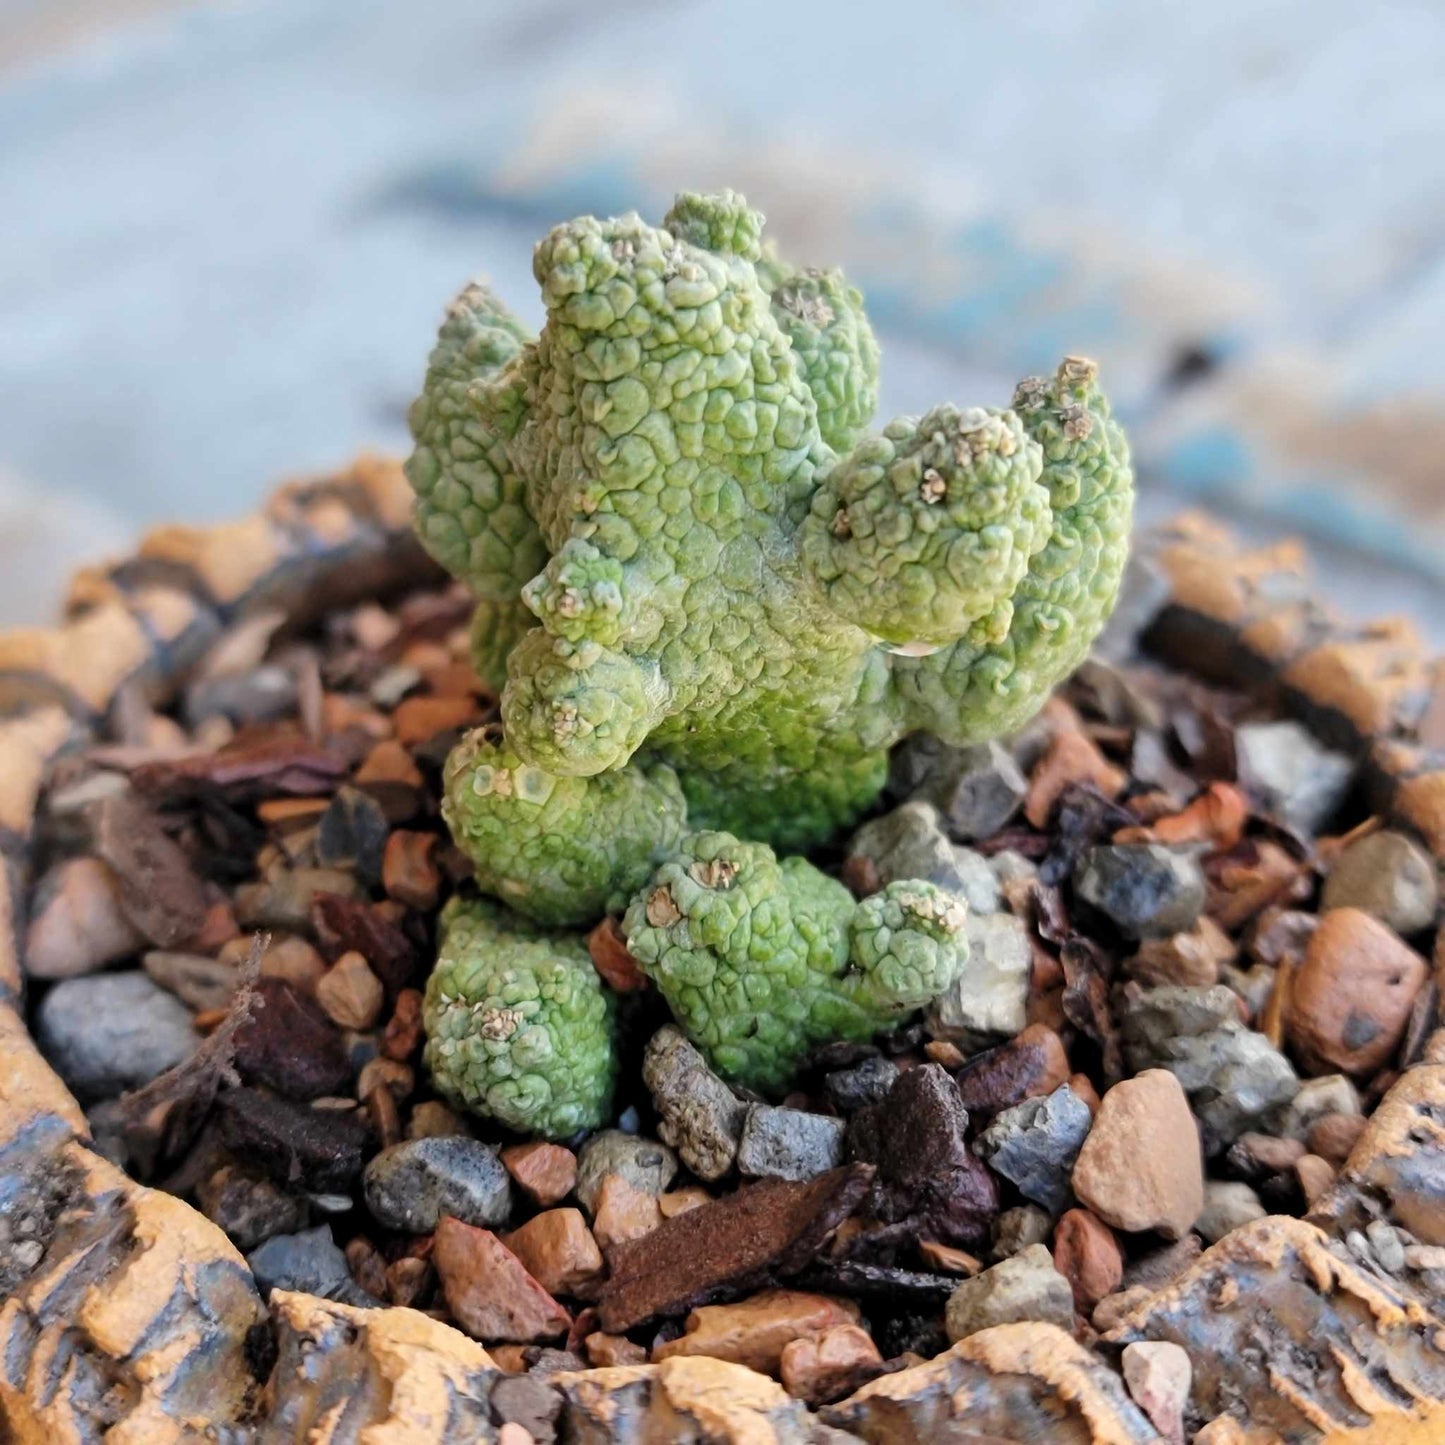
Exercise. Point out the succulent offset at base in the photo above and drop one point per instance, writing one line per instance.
(519, 1025)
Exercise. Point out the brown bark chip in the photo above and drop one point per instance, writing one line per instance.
(772, 1228)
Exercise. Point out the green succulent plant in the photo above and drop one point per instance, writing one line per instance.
(762, 960)
(711, 601)
(519, 1025)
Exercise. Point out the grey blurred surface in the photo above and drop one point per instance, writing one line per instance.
(231, 229)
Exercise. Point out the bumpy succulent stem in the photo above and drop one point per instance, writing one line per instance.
(652, 482)
(519, 1027)
(562, 851)
(471, 514)
(988, 684)
(926, 530)
(761, 960)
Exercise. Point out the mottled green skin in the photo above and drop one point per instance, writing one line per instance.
(654, 480)
(920, 531)
(562, 851)
(519, 1027)
(688, 554)
(761, 961)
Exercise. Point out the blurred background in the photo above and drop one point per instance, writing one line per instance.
(229, 231)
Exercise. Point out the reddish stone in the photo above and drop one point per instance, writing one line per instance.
(612, 960)
(409, 871)
(1087, 1254)
(1351, 997)
(623, 1212)
(403, 1030)
(1333, 1136)
(558, 1250)
(1217, 817)
(829, 1366)
(545, 1173)
(489, 1292)
(1140, 1168)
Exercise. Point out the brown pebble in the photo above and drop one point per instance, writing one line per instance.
(381, 1110)
(821, 1369)
(545, 1173)
(558, 1250)
(367, 1267)
(407, 1280)
(754, 1332)
(1258, 875)
(941, 1051)
(623, 1212)
(604, 1350)
(419, 719)
(1031, 1064)
(1192, 959)
(433, 1119)
(76, 922)
(455, 679)
(510, 1359)
(1216, 817)
(289, 958)
(399, 1079)
(409, 872)
(1315, 1175)
(341, 714)
(509, 1432)
(404, 1028)
(1140, 1167)
(945, 1259)
(1087, 1254)
(351, 993)
(681, 1200)
(1047, 1010)
(1352, 995)
(390, 777)
(290, 812)
(489, 1291)
(611, 959)
(1333, 1136)
(1257, 1156)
